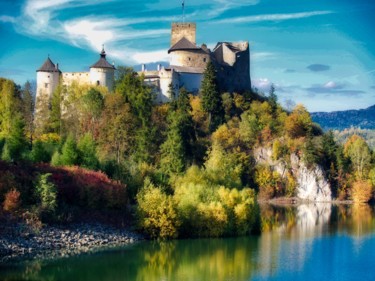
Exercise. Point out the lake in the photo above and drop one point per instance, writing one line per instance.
(308, 242)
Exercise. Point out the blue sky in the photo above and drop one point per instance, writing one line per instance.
(317, 52)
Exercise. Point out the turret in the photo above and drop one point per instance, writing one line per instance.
(102, 73)
(47, 78)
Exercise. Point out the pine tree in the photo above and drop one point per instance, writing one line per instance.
(15, 142)
(87, 149)
(69, 153)
(172, 150)
(211, 99)
(28, 111)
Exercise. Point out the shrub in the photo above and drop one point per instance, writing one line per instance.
(12, 200)
(211, 220)
(156, 211)
(269, 182)
(46, 192)
(361, 192)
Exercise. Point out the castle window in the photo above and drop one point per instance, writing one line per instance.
(204, 59)
(48, 76)
(98, 83)
(189, 59)
(46, 85)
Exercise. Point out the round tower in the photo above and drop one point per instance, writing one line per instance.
(102, 73)
(47, 78)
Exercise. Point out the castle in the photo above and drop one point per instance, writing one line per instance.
(187, 65)
(188, 62)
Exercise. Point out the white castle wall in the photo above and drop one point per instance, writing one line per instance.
(79, 77)
(47, 83)
(103, 77)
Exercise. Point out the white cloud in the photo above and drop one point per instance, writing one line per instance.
(262, 84)
(273, 17)
(5, 18)
(262, 56)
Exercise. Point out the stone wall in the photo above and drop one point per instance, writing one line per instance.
(233, 68)
(102, 77)
(179, 30)
(193, 58)
(79, 77)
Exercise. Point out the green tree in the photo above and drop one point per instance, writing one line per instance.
(15, 143)
(211, 99)
(39, 153)
(117, 128)
(172, 150)
(55, 118)
(46, 192)
(10, 106)
(69, 152)
(87, 149)
(92, 108)
(28, 111)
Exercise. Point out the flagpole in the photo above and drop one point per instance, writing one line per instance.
(183, 11)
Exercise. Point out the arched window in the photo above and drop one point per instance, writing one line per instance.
(98, 83)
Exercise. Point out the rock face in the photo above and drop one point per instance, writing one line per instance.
(311, 183)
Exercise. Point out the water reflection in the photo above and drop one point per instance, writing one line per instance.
(293, 241)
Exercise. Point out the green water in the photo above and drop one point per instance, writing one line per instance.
(305, 243)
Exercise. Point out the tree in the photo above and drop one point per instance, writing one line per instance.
(87, 149)
(39, 153)
(92, 107)
(55, 118)
(211, 99)
(28, 110)
(272, 99)
(172, 150)
(299, 122)
(16, 141)
(117, 128)
(359, 153)
(69, 152)
(10, 106)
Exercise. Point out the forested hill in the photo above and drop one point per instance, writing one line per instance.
(340, 120)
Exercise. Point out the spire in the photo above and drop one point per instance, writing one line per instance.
(102, 54)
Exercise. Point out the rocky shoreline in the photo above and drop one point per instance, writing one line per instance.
(19, 243)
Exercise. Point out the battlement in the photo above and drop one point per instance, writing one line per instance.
(180, 30)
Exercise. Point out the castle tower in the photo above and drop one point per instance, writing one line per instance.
(102, 73)
(183, 29)
(47, 78)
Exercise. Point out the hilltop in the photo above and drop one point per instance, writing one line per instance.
(340, 120)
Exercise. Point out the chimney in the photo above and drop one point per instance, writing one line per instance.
(143, 67)
(57, 66)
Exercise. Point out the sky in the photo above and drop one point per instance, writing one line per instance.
(320, 53)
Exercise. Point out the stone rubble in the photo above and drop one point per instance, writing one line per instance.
(18, 242)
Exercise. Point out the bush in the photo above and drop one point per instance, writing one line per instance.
(12, 200)
(157, 214)
(46, 193)
(361, 192)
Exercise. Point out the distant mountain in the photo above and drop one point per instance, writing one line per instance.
(340, 120)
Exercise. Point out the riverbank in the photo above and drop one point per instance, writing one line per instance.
(18, 242)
